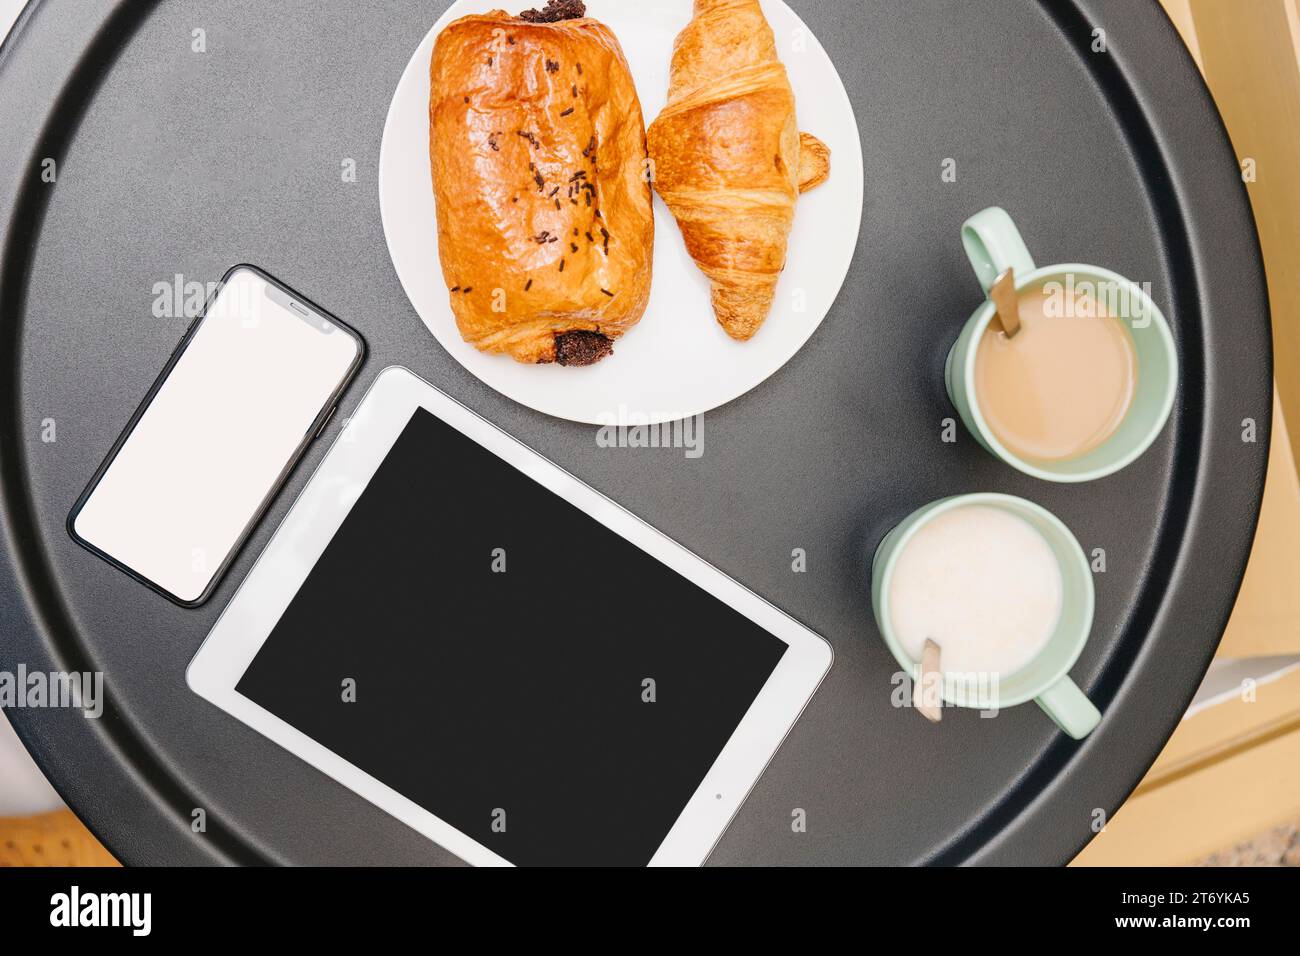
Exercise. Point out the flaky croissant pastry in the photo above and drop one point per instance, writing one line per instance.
(729, 159)
(545, 220)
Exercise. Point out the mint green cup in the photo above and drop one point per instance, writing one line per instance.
(993, 244)
(1045, 679)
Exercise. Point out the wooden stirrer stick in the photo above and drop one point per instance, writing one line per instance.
(925, 697)
(1007, 303)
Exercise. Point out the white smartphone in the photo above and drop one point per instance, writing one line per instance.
(254, 380)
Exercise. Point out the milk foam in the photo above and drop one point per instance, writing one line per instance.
(983, 584)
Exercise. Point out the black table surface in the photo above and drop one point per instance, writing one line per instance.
(172, 162)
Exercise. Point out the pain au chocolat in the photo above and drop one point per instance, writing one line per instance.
(538, 150)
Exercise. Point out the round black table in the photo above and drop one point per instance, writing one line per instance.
(172, 162)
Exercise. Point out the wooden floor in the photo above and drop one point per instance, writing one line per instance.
(59, 839)
(51, 839)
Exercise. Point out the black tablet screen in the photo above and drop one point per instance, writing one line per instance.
(508, 663)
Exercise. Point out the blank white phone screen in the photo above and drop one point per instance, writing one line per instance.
(217, 437)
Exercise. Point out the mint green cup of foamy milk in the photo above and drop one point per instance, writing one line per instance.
(1004, 589)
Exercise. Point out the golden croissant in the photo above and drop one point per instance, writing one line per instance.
(729, 160)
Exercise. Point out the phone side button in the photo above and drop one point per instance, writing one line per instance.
(324, 423)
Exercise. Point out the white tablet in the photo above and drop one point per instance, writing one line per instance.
(499, 656)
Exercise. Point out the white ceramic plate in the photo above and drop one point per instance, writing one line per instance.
(677, 361)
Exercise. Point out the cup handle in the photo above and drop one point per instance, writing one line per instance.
(993, 245)
(1069, 708)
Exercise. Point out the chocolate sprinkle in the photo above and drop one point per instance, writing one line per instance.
(568, 112)
(578, 349)
(529, 286)
(608, 293)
